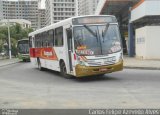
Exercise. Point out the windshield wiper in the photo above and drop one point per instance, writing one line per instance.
(92, 32)
(78, 42)
(105, 31)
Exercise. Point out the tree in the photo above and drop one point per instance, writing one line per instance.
(16, 33)
(4, 34)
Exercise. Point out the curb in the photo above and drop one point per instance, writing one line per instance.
(9, 64)
(143, 68)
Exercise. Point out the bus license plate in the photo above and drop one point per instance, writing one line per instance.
(103, 69)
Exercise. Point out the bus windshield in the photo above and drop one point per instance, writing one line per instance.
(97, 39)
(23, 47)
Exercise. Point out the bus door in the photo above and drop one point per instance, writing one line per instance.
(70, 47)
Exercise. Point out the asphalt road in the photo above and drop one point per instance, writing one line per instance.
(24, 86)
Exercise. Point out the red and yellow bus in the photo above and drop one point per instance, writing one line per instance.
(79, 46)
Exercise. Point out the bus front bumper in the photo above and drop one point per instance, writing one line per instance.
(82, 71)
(23, 56)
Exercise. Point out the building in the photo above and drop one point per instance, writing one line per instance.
(1, 9)
(41, 18)
(41, 15)
(48, 16)
(139, 24)
(22, 22)
(87, 7)
(57, 10)
(20, 9)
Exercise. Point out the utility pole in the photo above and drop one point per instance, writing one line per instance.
(9, 41)
(9, 37)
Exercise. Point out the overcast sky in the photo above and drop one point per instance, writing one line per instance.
(43, 4)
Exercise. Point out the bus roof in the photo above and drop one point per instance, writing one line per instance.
(60, 23)
(23, 39)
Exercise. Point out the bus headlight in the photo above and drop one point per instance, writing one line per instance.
(82, 63)
(121, 57)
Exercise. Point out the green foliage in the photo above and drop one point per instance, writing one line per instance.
(16, 33)
(3, 33)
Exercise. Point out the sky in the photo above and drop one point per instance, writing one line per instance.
(43, 4)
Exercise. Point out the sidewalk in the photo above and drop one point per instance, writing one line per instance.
(8, 61)
(134, 63)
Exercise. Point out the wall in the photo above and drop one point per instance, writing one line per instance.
(140, 42)
(148, 42)
(147, 8)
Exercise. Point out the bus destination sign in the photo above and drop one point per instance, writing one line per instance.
(94, 20)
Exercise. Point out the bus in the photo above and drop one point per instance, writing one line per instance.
(23, 49)
(78, 46)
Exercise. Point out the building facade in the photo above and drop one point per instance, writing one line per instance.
(22, 22)
(41, 18)
(20, 9)
(139, 22)
(1, 9)
(57, 10)
(87, 7)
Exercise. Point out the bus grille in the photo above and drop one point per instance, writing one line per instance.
(100, 63)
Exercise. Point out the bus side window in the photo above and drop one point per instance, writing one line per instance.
(43, 39)
(51, 37)
(46, 39)
(40, 40)
(37, 40)
(30, 41)
(59, 36)
(36, 43)
(33, 42)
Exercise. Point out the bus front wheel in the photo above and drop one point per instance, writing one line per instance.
(63, 70)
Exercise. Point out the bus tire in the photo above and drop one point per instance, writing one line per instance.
(39, 65)
(63, 70)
